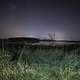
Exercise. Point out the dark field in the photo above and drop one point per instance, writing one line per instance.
(27, 62)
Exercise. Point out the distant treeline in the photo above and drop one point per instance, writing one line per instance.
(23, 40)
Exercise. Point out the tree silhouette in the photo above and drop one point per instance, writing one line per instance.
(51, 37)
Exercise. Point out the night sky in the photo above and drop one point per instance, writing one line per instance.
(37, 18)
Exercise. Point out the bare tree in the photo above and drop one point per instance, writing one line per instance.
(52, 37)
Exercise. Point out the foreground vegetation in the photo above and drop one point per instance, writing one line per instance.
(39, 64)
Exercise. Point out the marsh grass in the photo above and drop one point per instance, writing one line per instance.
(44, 64)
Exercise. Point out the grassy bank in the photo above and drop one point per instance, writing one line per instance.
(39, 64)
